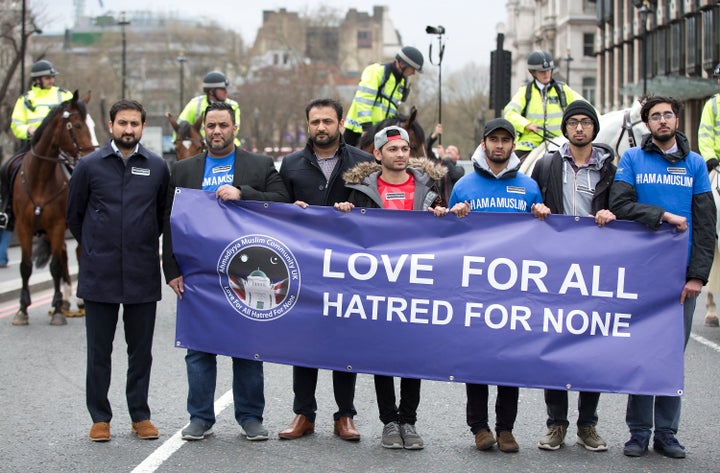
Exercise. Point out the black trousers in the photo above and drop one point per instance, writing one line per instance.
(100, 323)
(305, 383)
(409, 399)
(506, 405)
(557, 408)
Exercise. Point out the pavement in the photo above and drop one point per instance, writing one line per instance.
(11, 282)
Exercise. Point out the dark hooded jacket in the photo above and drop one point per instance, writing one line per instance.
(548, 173)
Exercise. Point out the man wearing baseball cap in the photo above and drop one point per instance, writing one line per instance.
(495, 186)
(575, 180)
(395, 181)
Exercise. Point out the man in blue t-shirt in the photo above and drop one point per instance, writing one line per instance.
(230, 174)
(663, 181)
(495, 186)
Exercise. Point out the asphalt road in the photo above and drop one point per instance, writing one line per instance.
(45, 424)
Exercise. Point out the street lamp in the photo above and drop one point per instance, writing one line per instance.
(123, 23)
(643, 11)
(439, 31)
(568, 59)
(256, 117)
(181, 59)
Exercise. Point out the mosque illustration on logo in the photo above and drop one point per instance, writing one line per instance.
(258, 291)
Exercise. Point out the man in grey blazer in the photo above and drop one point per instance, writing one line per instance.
(232, 174)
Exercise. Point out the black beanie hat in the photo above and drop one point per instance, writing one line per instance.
(580, 107)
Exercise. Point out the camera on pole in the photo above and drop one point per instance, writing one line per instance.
(439, 31)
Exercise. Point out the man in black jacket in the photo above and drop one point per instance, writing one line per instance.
(575, 180)
(313, 176)
(231, 174)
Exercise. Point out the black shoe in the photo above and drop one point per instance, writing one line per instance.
(666, 444)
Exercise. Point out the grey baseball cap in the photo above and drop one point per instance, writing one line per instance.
(388, 134)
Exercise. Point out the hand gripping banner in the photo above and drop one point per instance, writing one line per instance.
(491, 298)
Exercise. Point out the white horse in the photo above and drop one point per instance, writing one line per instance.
(620, 129)
(623, 129)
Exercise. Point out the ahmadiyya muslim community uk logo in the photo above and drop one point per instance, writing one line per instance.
(259, 277)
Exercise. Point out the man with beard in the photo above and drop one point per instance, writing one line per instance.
(313, 176)
(495, 186)
(663, 181)
(231, 174)
(115, 209)
(575, 180)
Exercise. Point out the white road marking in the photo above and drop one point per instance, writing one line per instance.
(174, 443)
(706, 342)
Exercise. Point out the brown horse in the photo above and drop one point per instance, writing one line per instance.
(39, 195)
(409, 123)
(188, 141)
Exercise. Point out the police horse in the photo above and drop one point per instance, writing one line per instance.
(39, 197)
(188, 139)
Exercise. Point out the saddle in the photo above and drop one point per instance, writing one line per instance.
(8, 172)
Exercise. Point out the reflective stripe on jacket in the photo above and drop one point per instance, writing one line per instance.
(32, 107)
(196, 107)
(545, 113)
(369, 107)
(709, 130)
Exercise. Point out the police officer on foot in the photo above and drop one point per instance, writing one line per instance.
(709, 130)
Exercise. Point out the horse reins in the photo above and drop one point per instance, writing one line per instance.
(63, 158)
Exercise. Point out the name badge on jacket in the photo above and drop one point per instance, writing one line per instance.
(140, 171)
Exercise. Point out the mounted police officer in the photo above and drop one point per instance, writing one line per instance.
(34, 105)
(382, 88)
(215, 85)
(709, 130)
(536, 109)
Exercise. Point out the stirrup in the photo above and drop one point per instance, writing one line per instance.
(3, 220)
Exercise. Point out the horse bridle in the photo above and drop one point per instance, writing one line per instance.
(627, 127)
(64, 157)
(192, 140)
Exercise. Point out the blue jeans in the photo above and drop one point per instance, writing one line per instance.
(664, 411)
(4, 245)
(248, 388)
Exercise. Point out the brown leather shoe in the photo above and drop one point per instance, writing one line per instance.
(506, 442)
(145, 430)
(484, 439)
(299, 426)
(100, 432)
(345, 429)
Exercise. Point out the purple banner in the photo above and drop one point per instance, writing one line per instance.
(492, 298)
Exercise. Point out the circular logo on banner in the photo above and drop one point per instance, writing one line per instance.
(259, 277)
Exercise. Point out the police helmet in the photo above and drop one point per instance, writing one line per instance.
(716, 72)
(540, 61)
(412, 57)
(215, 80)
(42, 68)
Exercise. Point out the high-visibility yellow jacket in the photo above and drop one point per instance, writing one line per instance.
(372, 105)
(709, 130)
(196, 107)
(545, 112)
(32, 107)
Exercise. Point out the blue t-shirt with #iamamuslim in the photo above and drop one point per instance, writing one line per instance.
(218, 171)
(660, 182)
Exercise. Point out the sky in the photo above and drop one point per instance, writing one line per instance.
(470, 30)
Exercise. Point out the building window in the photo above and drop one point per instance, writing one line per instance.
(588, 44)
(589, 89)
(364, 39)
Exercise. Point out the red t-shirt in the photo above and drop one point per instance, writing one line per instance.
(397, 196)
